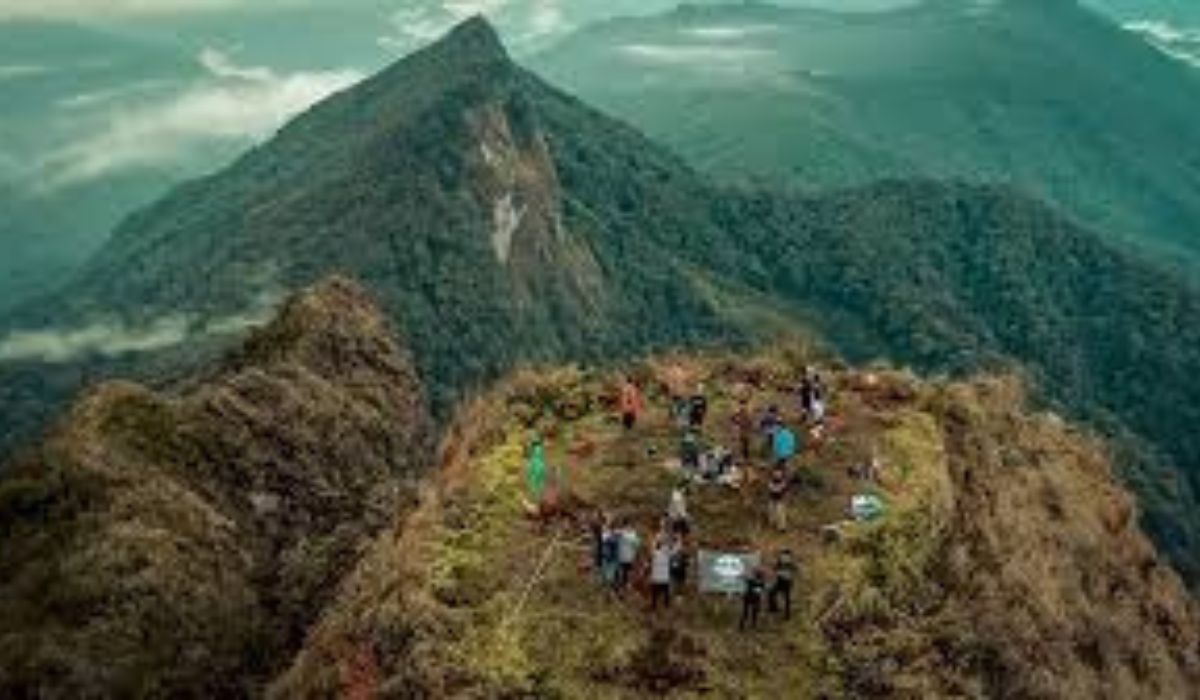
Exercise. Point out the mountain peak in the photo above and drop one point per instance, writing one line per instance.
(474, 37)
(469, 52)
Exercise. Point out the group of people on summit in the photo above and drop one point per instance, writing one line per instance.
(617, 543)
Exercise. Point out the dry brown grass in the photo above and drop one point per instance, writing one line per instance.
(1009, 564)
(178, 545)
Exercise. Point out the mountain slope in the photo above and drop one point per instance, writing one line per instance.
(501, 223)
(1042, 95)
(1008, 564)
(455, 185)
(176, 543)
(960, 277)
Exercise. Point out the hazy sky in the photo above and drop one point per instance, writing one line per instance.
(79, 9)
(547, 9)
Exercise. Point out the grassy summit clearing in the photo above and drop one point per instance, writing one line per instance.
(1008, 562)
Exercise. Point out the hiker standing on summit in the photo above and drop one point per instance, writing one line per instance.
(610, 553)
(783, 445)
(785, 581)
(628, 544)
(752, 595)
(769, 424)
(743, 424)
(535, 470)
(807, 391)
(631, 403)
(813, 397)
(777, 490)
(679, 564)
(660, 573)
(677, 513)
(698, 408)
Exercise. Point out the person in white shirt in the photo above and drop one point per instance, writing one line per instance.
(660, 574)
(677, 512)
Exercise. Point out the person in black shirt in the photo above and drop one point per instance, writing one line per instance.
(769, 424)
(752, 599)
(596, 528)
(781, 588)
(807, 393)
(679, 565)
(698, 408)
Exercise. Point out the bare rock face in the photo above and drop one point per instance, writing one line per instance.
(177, 543)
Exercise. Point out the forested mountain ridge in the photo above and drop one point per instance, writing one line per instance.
(501, 222)
(471, 194)
(178, 543)
(281, 527)
(1047, 96)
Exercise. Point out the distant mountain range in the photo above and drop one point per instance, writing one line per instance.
(1045, 96)
(107, 110)
(501, 222)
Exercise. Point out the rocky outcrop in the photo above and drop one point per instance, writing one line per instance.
(177, 543)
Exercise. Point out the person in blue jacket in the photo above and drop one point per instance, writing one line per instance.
(784, 446)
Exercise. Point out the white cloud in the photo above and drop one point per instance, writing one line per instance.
(1181, 43)
(526, 21)
(413, 27)
(1163, 31)
(707, 55)
(103, 339)
(95, 98)
(546, 17)
(462, 9)
(12, 72)
(235, 104)
(112, 339)
(222, 66)
(728, 33)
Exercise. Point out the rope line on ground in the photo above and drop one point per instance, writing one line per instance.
(534, 579)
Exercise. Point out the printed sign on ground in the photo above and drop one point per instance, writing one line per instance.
(725, 572)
